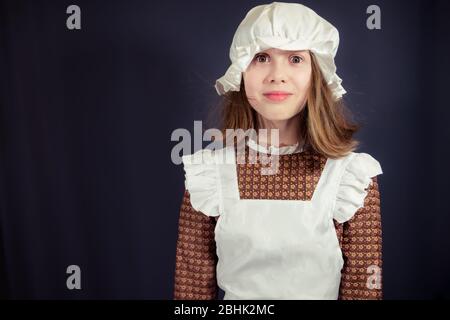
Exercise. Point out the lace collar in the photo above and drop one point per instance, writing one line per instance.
(290, 149)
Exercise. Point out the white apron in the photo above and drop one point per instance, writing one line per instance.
(278, 249)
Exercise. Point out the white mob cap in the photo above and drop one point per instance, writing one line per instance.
(286, 26)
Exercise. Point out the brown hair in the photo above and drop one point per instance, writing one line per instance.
(325, 124)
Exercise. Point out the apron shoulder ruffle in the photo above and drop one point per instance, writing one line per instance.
(354, 181)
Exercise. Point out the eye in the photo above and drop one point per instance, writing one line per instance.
(297, 59)
(257, 57)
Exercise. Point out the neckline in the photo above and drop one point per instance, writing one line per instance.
(232, 173)
(284, 150)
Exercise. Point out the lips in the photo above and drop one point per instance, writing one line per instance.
(277, 95)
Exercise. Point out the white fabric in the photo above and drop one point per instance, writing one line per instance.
(255, 145)
(202, 180)
(278, 249)
(352, 187)
(286, 26)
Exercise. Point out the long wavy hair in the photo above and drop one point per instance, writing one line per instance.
(327, 126)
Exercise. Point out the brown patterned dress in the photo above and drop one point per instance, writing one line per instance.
(297, 177)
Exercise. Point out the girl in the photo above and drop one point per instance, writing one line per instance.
(311, 229)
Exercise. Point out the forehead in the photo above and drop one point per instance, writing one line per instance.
(280, 51)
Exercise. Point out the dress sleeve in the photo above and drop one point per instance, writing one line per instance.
(196, 259)
(361, 244)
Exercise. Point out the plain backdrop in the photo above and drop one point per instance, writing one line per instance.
(86, 117)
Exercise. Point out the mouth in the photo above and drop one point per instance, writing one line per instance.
(277, 95)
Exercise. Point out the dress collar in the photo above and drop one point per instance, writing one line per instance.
(290, 149)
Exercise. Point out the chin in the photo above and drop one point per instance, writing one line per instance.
(277, 117)
(270, 114)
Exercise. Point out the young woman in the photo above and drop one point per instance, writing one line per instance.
(311, 229)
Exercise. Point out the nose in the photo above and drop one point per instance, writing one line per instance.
(277, 80)
(277, 73)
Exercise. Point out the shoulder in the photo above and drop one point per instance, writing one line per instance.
(202, 178)
(360, 164)
(209, 157)
(363, 165)
(358, 171)
(202, 156)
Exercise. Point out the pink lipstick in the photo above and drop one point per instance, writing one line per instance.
(277, 95)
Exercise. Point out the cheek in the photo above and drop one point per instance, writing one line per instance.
(252, 84)
(303, 81)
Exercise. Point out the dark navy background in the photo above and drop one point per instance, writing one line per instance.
(86, 118)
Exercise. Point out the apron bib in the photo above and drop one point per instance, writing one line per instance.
(277, 249)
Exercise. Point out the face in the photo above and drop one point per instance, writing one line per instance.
(277, 83)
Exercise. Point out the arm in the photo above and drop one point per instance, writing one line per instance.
(195, 270)
(361, 245)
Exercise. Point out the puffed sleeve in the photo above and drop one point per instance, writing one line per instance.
(352, 188)
(196, 259)
(202, 181)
